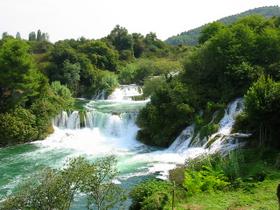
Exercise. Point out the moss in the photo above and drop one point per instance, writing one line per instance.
(139, 98)
(82, 114)
(218, 115)
(209, 143)
(49, 130)
(207, 130)
(80, 103)
(177, 175)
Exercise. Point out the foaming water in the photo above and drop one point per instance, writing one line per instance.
(107, 127)
(125, 92)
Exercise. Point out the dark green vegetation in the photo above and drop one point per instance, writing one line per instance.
(38, 79)
(235, 60)
(154, 194)
(28, 101)
(56, 189)
(244, 179)
(191, 37)
(186, 84)
(242, 58)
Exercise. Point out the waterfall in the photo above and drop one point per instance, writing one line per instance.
(222, 140)
(111, 124)
(68, 120)
(182, 142)
(125, 92)
(100, 95)
(108, 127)
(122, 124)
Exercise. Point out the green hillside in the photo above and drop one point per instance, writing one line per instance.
(191, 37)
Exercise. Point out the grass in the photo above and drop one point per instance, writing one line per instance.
(261, 197)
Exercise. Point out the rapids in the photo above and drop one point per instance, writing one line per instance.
(107, 127)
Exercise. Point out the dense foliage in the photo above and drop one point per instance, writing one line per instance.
(28, 101)
(261, 115)
(57, 189)
(167, 113)
(191, 37)
(154, 194)
(239, 172)
(39, 78)
(223, 68)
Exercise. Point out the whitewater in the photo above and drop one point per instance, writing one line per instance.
(108, 128)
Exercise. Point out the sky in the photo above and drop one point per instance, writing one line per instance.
(63, 19)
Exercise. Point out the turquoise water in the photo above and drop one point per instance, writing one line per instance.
(110, 130)
(114, 136)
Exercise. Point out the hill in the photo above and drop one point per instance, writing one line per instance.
(191, 37)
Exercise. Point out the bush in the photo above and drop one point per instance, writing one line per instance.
(206, 179)
(142, 69)
(64, 95)
(151, 85)
(101, 81)
(151, 193)
(155, 194)
(262, 105)
(56, 189)
(166, 115)
(17, 126)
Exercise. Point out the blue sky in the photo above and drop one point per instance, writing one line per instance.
(96, 18)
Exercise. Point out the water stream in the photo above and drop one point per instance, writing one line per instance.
(109, 128)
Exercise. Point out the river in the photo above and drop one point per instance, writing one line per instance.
(108, 128)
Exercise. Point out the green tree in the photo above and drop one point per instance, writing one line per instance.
(169, 111)
(209, 31)
(99, 185)
(138, 44)
(154, 194)
(100, 55)
(71, 75)
(39, 35)
(56, 189)
(4, 35)
(262, 104)
(17, 126)
(64, 93)
(18, 36)
(32, 36)
(122, 41)
(19, 78)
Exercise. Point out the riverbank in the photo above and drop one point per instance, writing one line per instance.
(245, 179)
(261, 196)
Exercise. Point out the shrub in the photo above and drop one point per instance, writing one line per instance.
(150, 193)
(155, 194)
(56, 189)
(206, 179)
(17, 126)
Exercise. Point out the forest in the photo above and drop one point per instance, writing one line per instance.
(191, 37)
(186, 85)
(39, 79)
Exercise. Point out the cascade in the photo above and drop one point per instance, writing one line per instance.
(107, 127)
(111, 124)
(100, 95)
(222, 140)
(125, 92)
(68, 120)
(183, 141)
